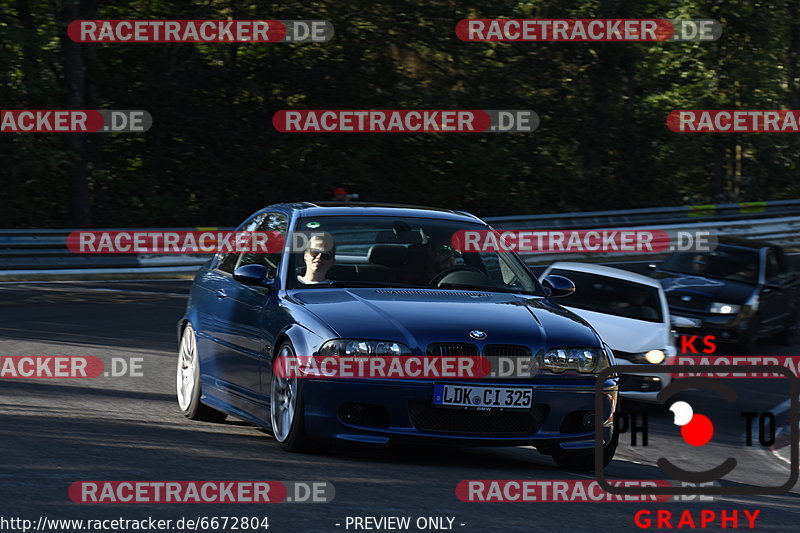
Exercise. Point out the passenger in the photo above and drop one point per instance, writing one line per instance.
(319, 257)
(699, 264)
(636, 306)
(425, 261)
(747, 274)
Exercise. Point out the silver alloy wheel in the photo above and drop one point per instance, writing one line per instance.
(283, 401)
(187, 368)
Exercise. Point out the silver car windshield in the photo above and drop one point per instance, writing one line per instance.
(612, 296)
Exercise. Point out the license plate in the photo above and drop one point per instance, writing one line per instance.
(482, 398)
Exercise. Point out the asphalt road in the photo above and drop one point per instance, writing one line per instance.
(55, 432)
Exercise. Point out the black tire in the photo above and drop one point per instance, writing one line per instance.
(188, 375)
(295, 440)
(583, 460)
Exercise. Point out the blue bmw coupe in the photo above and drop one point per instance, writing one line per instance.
(375, 280)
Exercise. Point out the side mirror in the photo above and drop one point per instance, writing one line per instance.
(558, 286)
(252, 275)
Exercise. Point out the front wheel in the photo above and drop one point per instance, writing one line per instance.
(286, 408)
(583, 460)
(188, 381)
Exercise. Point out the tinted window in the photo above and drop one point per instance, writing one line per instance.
(612, 296)
(726, 262)
(275, 223)
(269, 222)
(227, 262)
(403, 252)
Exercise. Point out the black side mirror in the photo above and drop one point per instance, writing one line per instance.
(558, 286)
(253, 275)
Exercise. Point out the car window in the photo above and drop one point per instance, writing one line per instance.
(227, 262)
(612, 296)
(784, 264)
(267, 222)
(413, 252)
(774, 268)
(725, 262)
(275, 224)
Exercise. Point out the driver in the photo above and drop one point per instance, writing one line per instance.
(319, 257)
(637, 306)
(748, 273)
(442, 256)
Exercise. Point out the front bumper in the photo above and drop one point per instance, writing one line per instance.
(726, 328)
(638, 386)
(402, 410)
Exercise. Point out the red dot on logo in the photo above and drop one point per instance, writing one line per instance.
(698, 431)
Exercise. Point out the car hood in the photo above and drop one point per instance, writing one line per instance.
(616, 331)
(678, 287)
(419, 317)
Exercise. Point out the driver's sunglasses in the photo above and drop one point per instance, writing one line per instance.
(446, 249)
(327, 256)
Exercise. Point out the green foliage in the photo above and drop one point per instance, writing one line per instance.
(212, 156)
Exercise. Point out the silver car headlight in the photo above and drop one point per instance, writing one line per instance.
(652, 357)
(724, 309)
(357, 347)
(583, 360)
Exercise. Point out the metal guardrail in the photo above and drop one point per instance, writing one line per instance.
(650, 215)
(783, 231)
(31, 253)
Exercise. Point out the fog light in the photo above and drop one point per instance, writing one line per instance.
(588, 420)
(351, 412)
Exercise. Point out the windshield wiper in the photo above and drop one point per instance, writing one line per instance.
(492, 288)
(388, 284)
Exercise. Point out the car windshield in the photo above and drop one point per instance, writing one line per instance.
(612, 296)
(384, 251)
(725, 262)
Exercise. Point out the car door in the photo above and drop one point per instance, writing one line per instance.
(775, 296)
(246, 316)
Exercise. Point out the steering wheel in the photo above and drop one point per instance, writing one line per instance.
(447, 271)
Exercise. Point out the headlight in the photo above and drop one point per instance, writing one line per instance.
(653, 357)
(583, 360)
(356, 347)
(724, 309)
